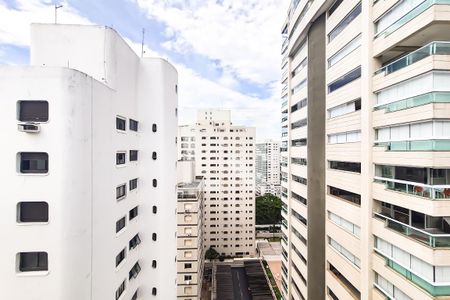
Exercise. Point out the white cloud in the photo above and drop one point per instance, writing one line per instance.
(15, 23)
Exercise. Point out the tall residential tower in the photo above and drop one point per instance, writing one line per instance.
(89, 170)
(268, 168)
(372, 78)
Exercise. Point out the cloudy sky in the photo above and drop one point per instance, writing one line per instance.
(227, 52)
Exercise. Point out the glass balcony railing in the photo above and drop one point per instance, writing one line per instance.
(410, 15)
(418, 145)
(284, 223)
(284, 104)
(435, 289)
(422, 236)
(433, 97)
(433, 192)
(433, 48)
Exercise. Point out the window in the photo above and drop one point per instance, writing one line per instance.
(121, 191)
(120, 224)
(134, 242)
(120, 158)
(345, 79)
(346, 195)
(133, 213)
(345, 22)
(133, 155)
(154, 127)
(33, 162)
(299, 124)
(133, 184)
(344, 137)
(345, 166)
(187, 265)
(120, 290)
(154, 209)
(121, 124)
(28, 212)
(187, 277)
(154, 236)
(135, 270)
(344, 51)
(299, 143)
(33, 261)
(334, 6)
(134, 125)
(135, 295)
(120, 257)
(302, 103)
(155, 183)
(33, 111)
(154, 156)
(344, 109)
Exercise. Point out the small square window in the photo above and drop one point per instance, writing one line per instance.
(120, 224)
(133, 184)
(133, 213)
(120, 257)
(121, 124)
(32, 212)
(121, 191)
(33, 111)
(133, 155)
(187, 277)
(187, 265)
(134, 125)
(134, 242)
(120, 158)
(33, 261)
(33, 162)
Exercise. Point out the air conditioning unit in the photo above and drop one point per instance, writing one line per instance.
(29, 127)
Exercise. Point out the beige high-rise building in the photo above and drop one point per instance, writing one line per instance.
(366, 150)
(268, 168)
(224, 155)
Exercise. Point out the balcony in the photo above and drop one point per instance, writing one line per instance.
(433, 192)
(433, 97)
(434, 237)
(416, 145)
(434, 48)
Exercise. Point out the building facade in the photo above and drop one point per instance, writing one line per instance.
(190, 250)
(90, 169)
(224, 155)
(268, 168)
(383, 92)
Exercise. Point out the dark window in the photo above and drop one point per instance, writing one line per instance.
(134, 242)
(32, 212)
(345, 22)
(121, 124)
(334, 6)
(299, 143)
(133, 213)
(298, 198)
(155, 209)
(135, 295)
(154, 155)
(33, 162)
(120, 158)
(133, 184)
(120, 290)
(120, 257)
(155, 183)
(120, 224)
(154, 236)
(33, 111)
(345, 79)
(299, 124)
(154, 291)
(332, 295)
(134, 125)
(154, 264)
(299, 179)
(154, 127)
(298, 105)
(358, 104)
(33, 261)
(346, 195)
(299, 161)
(135, 270)
(346, 166)
(133, 155)
(187, 266)
(121, 191)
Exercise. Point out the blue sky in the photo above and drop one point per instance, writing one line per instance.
(227, 52)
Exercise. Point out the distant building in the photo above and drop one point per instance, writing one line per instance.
(190, 250)
(268, 168)
(225, 155)
(89, 170)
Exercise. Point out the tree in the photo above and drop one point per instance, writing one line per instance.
(211, 253)
(268, 209)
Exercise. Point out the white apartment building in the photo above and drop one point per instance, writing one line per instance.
(190, 250)
(268, 168)
(89, 142)
(224, 155)
(372, 77)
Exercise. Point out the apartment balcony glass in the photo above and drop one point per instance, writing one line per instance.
(388, 289)
(433, 279)
(396, 17)
(424, 99)
(433, 48)
(422, 145)
(422, 182)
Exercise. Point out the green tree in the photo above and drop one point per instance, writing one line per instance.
(268, 209)
(211, 253)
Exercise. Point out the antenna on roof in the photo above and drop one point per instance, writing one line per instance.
(142, 45)
(56, 12)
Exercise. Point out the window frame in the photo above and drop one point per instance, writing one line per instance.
(19, 111)
(20, 210)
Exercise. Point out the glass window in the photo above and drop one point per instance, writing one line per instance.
(344, 51)
(33, 261)
(120, 290)
(121, 191)
(33, 111)
(120, 257)
(120, 224)
(134, 125)
(29, 212)
(33, 162)
(345, 22)
(133, 184)
(121, 124)
(120, 158)
(334, 6)
(345, 79)
(133, 213)
(133, 155)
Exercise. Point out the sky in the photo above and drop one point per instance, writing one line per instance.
(227, 52)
